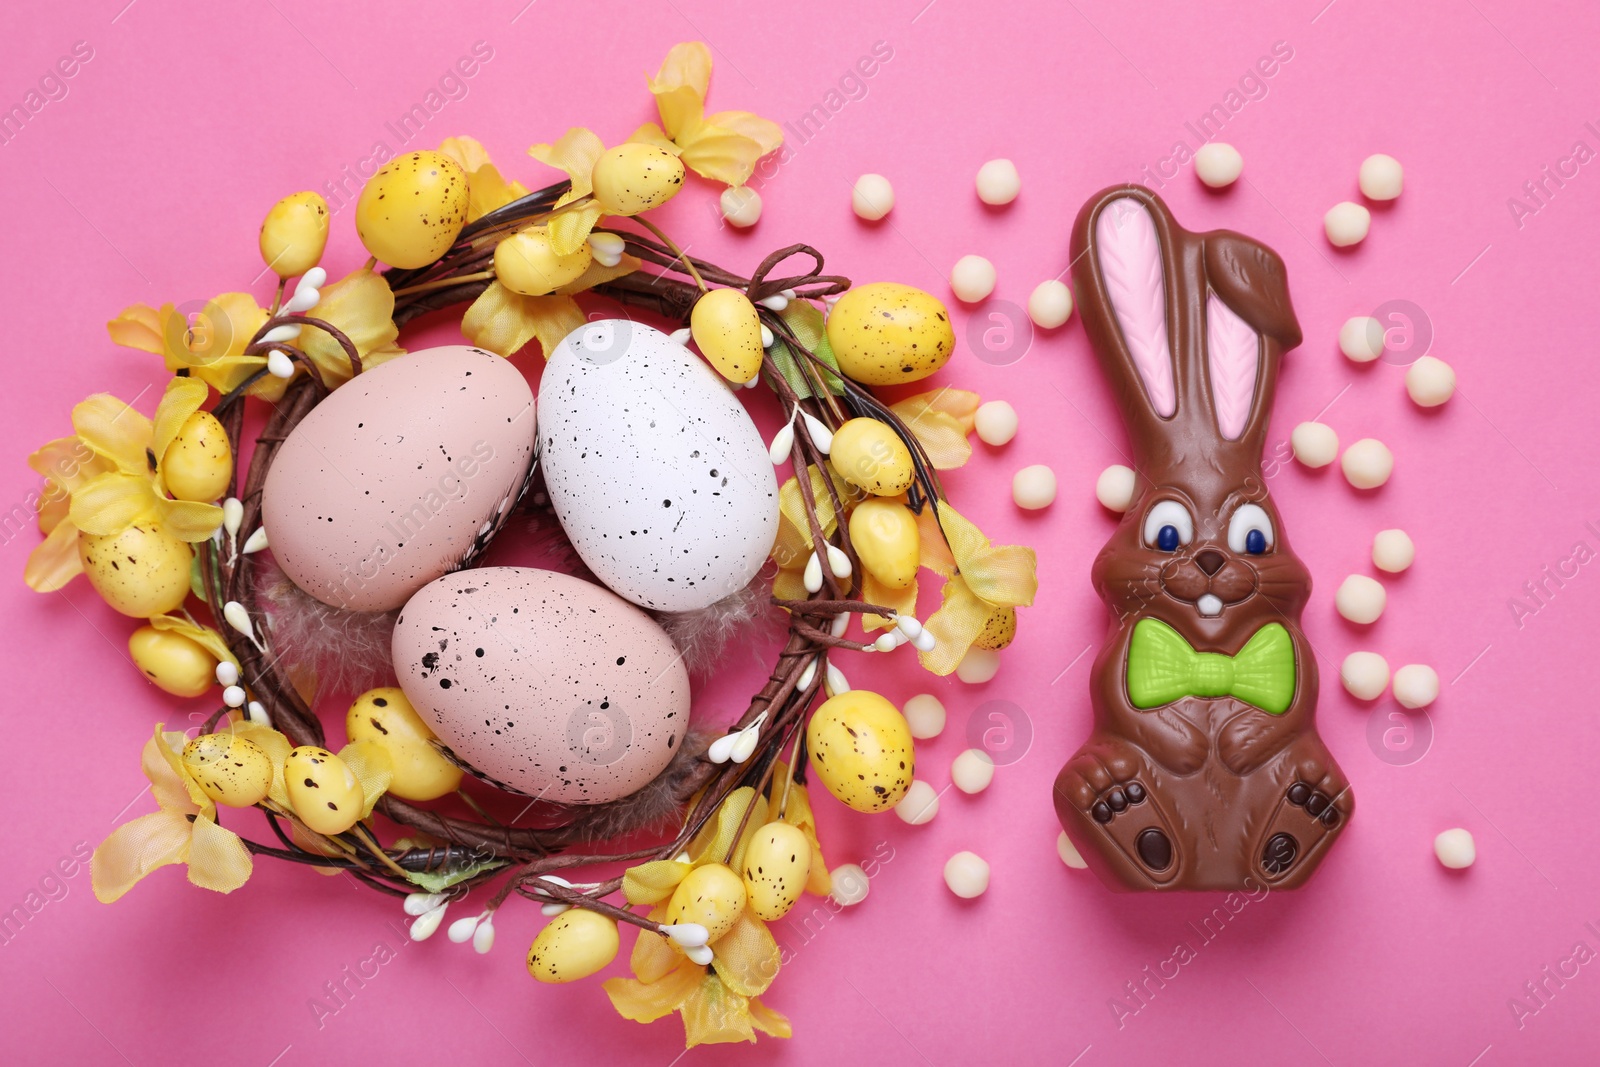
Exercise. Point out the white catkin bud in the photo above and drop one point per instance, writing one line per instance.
(807, 676)
(813, 574)
(427, 923)
(838, 561)
(835, 682)
(702, 955)
(279, 365)
(258, 713)
(316, 277)
(228, 674)
(461, 930)
(840, 623)
(233, 696)
(483, 936)
(287, 332)
(821, 436)
(782, 445)
(232, 515)
(688, 935)
(256, 541)
(419, 903)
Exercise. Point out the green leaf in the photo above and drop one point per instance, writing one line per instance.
(197, 582)
(439, 881)
(805, 319)
(783, 359)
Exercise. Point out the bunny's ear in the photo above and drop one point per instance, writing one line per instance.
(1128, 251)
(1233, 356)
(1249, 325)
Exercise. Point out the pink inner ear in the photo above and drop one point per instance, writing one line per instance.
(1233, 352)
(1130, 263)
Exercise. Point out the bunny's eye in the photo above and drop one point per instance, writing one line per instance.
(1168, 525)
(1250, 530)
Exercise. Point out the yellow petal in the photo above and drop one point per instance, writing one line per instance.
(797, 812)
(598, 274)
(680, 88)
(204, 636)
(55, 561)
(769, 1022)
(218, 860)
(372, 767)
(965, 539)
(220, 330)
(652, 134)
(136, 848)
(941, 420)
(792, 505)
(873, 591)
(716, 839)
(69, 462)
(746, 957)
(955, 626)
(188, 520)
(714, 1014)
(173, 788)
(653, 882)
(52, 506)
(503, 321)
(575, 153)
(767, 135)
(645, 1002)
(935, 553)
(721, 155)
(360, 304)
(569, 229)
(1004, 576)
(139, 326)
(115, 431)
(467, 151)
(653, 955)
(182, 398)
(277, 748)
(959, 404)
(790, 585)
(487, 190)
(379, 356)
(113, 502)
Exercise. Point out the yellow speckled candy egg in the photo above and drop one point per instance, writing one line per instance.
(777, 865)
(142, 571)
(231, 770)
(999, 629)
(711, 895)
(411, 211)
(386, 718)
(526, 263)
(294, 234)
(199, 461)
(727, 329)
(574, 945)
(323, 790)
(634, 177)
(871, 457)
(172, 661)
(860, 747)
(885, 536)
(886, 333)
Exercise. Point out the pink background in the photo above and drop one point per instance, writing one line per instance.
(148, 181)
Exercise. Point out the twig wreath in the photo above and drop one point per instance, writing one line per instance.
(155, 511)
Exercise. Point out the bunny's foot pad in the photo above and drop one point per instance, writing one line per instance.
(1305, 821)
(1119, 806)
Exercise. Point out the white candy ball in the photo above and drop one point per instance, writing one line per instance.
(850, 884)
(972, 279)
(1456, 849)
(1381, 177)
(1114, 488)
(1416, 685)
(1050, 304)
(1430, 382)
(1367, 463)
(873, 197)
(972, 771)
(919, 805)
(1360, 599)
(967, 875)
(1393, 551)
(996, 422)
(1218, 165)
(1034, 487)
(1314, 443)
(1365, 675)
(1361, 339)
(1069, 852)
(925, 715)
(1346, 224)
(741, 206)
(998, 182)
(978, 665)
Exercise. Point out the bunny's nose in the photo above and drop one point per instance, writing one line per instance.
(1209, 560)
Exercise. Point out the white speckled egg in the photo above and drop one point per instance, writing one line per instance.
(398, 475)
(659, 477)
(544, 683)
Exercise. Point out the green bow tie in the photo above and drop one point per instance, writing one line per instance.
(1163, 667)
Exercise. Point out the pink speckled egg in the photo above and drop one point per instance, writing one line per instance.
(399, 475)
(543, 683)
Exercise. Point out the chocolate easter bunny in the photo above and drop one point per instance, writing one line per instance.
(1204, 769)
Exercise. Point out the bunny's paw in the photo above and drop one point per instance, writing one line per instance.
(1308, 817)
(1106, 787)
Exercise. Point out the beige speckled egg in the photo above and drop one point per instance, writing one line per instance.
(543, 683)
(142, 571)
(574, 945)
(386, 718)
(230, 769)
(411, 211)
(711, 895)
(777, 865)
(860, 747)
(886, 333)
(871, 457)
(399, 475)
(172, 661)
(656, 470)
(199, 461)
(999, 629)
(323, 790)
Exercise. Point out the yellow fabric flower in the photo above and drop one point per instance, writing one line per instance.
(204, 636)
(724, 147)
(941, 421)
(185, 828)
(503, 322)
(487, 190)
(988, 577)
(576, 154)
(797, 812)
(793, 546)
(211, 344)
(360, 305)
(718, 1004)
(66, 464)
